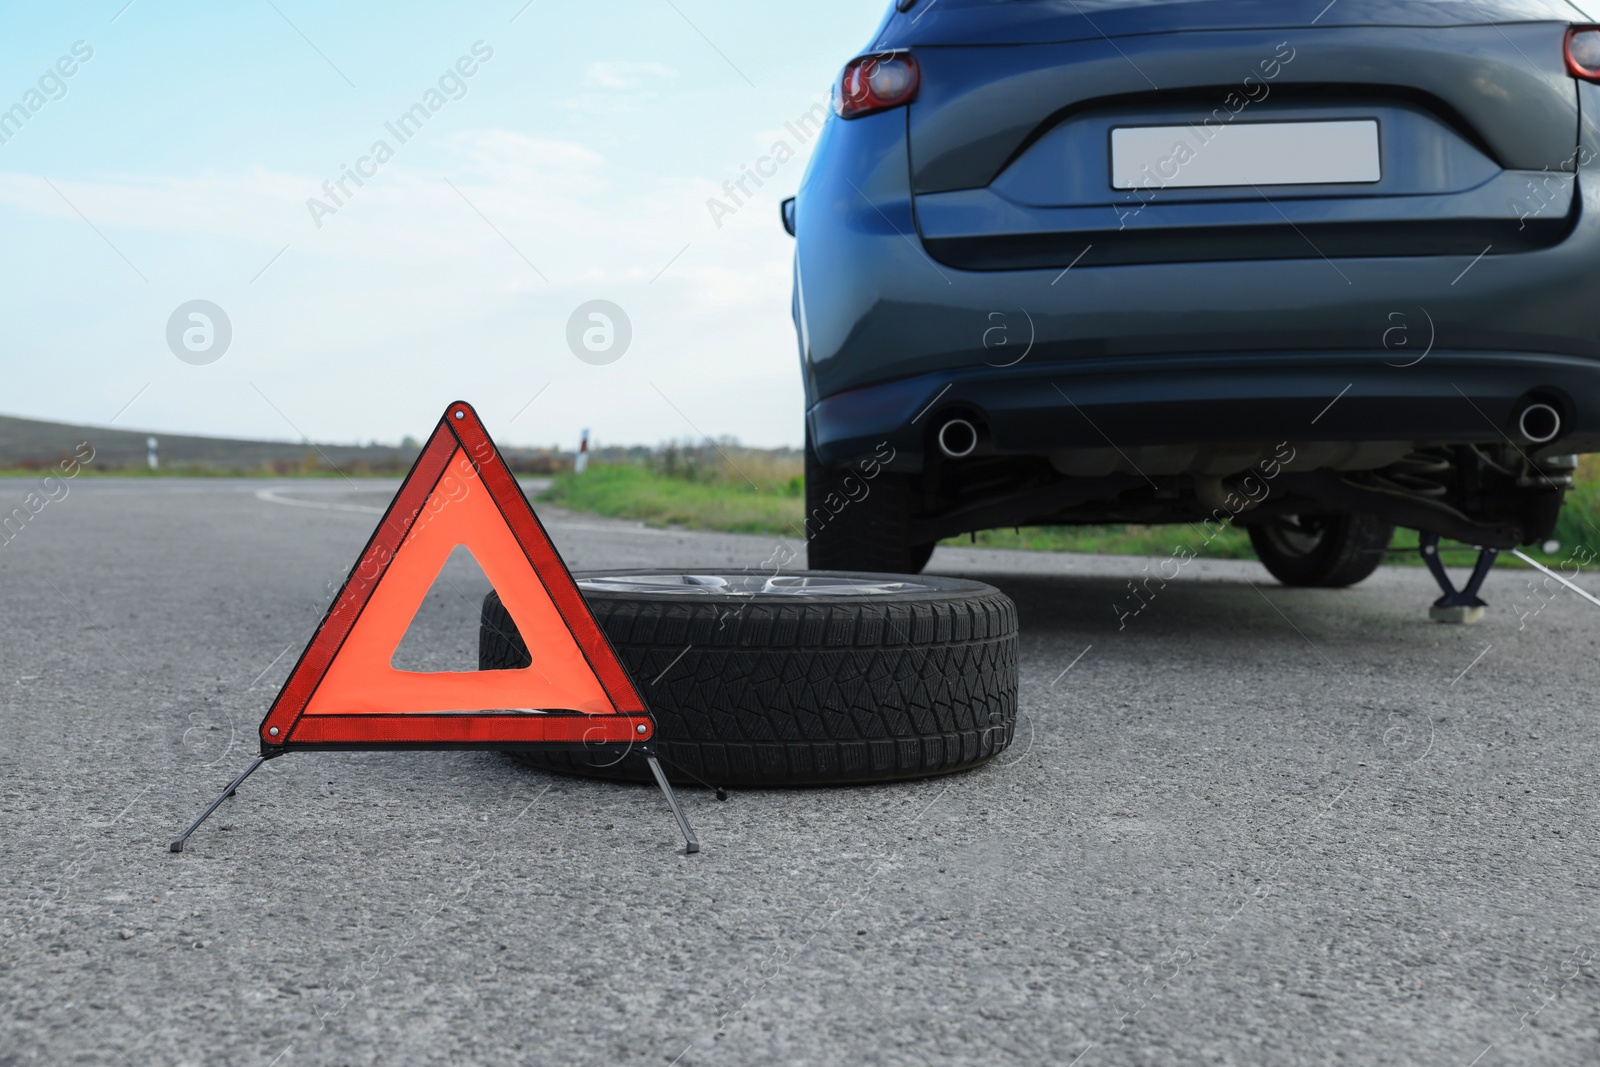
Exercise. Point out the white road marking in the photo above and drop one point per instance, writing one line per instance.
(596, 527)
(271, 496)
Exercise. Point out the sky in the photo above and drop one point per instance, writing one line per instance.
(563, 152)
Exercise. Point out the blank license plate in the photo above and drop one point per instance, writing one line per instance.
(1256, 153)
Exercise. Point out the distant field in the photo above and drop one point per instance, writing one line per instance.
(33, 446)
(92, 470)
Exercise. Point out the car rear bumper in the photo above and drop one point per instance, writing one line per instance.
(1129, 403)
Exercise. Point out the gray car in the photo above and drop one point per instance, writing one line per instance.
(1318, 269)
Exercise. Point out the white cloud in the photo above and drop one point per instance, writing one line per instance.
(622, 75)
(619, 87)
(570, 211)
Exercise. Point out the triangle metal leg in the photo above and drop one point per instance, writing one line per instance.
(177, 843)
(692, 841)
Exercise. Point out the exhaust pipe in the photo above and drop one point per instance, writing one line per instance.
(1539, 423)
(958, 438)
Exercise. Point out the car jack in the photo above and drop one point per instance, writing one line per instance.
(1462, 606)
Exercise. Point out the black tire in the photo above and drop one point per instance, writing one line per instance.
(787, 689)
(1325, 551)
(860, 523)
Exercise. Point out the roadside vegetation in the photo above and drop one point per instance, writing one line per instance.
(725, 487)
(706, 487)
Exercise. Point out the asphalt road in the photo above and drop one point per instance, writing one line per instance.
(1252, 825)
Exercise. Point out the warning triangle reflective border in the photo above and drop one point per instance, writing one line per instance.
(344, 692)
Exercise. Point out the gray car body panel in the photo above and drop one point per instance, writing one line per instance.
(893, 335)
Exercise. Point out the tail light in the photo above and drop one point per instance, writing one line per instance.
(877, 82)
(1583, 52)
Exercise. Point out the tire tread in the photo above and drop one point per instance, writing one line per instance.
(812, 694)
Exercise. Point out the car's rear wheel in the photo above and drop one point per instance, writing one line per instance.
(860, 523)
(1327, 551)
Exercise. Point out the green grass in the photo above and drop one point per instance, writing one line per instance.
(1226, 543)
(1577, 529)
(768, 498)
(733, 505)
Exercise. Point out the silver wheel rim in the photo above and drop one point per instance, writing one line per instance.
(1294, 537)
(782, 585)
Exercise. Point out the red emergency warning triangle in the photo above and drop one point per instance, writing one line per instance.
(344, 692)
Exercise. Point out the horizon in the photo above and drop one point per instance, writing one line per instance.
(596, 443)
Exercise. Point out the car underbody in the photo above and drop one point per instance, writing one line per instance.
(1493, 495)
